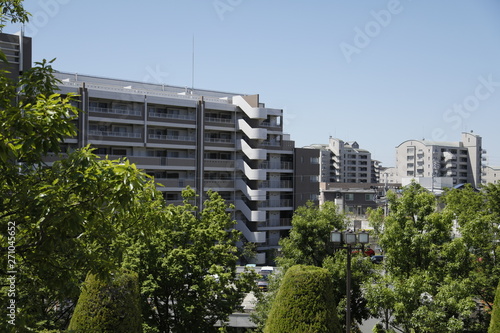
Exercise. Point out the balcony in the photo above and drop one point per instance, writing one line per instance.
(160, 137)
(225, 164)
(151, 162)
(218, 183)
(219, 140)
(219, 120)
(276, 224)
(163, 115)
(175, 183)
(127, 112)
(276, 184)
(275, 203)
(276, 165)
(115, 134)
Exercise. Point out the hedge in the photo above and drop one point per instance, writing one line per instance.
(108, 305)
(304, 303)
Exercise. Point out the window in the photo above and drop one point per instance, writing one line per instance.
(349, 196)
(172, 196)
(369, 197)
(173, 154)
(314, 179)
(101, 151)
(121, 152)
(314, 160)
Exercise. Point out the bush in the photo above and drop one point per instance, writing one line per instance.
(304, 303)
(108, 305)
(495, 315)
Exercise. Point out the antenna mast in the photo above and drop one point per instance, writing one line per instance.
(192, 69)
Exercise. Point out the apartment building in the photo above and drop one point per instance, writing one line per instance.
(462, 160)
(308, 174)
(351, 164)
(17, 50)
(490, 174)
(336, 162)
(208, 140)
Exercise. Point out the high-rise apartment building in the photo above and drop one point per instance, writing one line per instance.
(335, 162)
(17, 50)
(459, 160)
(226, 142)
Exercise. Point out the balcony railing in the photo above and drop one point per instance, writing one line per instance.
(276, 184)
(171, 116)
(172, 137)
(115, 111)
(281, 165)
(115, 134)
(219, 140)
(281, 222)
(276, 203)
(219, 120)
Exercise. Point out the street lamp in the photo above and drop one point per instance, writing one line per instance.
(350, 239)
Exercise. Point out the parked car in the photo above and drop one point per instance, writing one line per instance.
(262, 284)
(266, 270)
(377, 259)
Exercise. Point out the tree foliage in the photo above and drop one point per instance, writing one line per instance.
(304, 303)
(109, 304)
(495, 316)
(187, 269)
(309, 244)
(309, 240)
(440, 264)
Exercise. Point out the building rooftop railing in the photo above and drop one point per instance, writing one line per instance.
(72, 80)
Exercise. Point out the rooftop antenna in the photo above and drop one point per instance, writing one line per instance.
(192, 68)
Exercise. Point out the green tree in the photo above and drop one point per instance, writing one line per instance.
(495, 316)
(430, 279)
(187, 269)
(309, 240)
(309, 244)
(57, 222)
(304, 303)
(108, 305)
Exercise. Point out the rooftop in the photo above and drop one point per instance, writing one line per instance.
(143, 88)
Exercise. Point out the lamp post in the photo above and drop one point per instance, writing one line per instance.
(350, 239)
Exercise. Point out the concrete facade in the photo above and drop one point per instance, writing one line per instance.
(462, 160)
(208, 140)
(490, 174)
(17, 49)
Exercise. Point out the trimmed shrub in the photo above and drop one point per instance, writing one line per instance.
(495, 315)
(304, 303)
(108, 305)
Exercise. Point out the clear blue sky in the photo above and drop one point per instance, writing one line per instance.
(376, 71)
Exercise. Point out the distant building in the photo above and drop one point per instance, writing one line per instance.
(308, 171)
(17, 49)
(490, 174)
(336, 162)
(459, 160)
(354, 199)
(389, 175)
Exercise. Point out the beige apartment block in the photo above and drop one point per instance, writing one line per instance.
(462, 160)
(490, 174)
